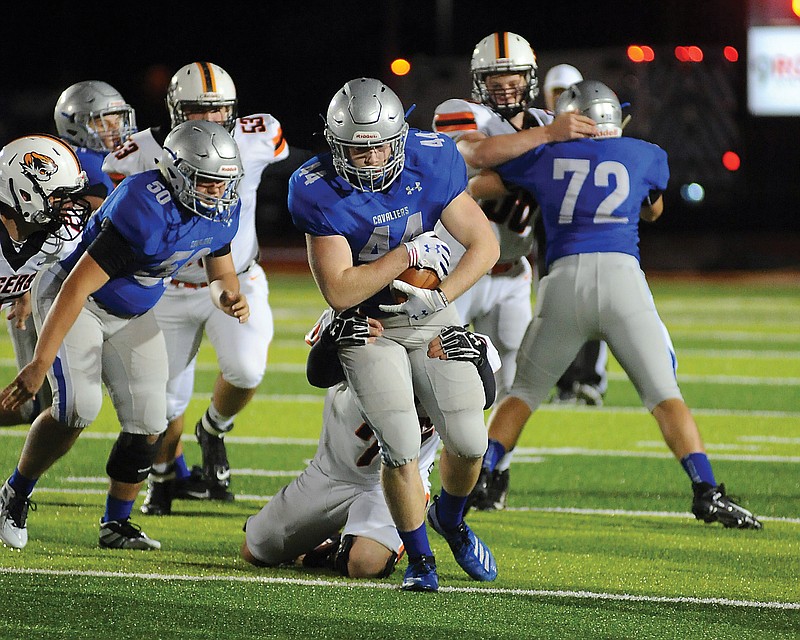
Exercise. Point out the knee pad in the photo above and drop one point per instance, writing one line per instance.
(131, 457)
(342, 558)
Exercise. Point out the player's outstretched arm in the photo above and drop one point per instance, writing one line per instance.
(86, 278)
(223, 284)
(483, 152)
(487, 185)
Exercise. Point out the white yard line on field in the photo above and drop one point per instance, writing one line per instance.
(352, 584)
(533, 454)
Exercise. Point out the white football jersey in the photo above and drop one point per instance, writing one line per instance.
(348, 450)
(20, 262)
(509, 216)
(261, 142)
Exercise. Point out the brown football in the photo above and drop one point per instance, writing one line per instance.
(418, 277)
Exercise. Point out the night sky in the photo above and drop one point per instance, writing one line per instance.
(288, 58)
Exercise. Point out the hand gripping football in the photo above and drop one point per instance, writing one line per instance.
(421, 277)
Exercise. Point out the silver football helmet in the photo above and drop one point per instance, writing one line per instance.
(93, 114)
(595, 100)
(201, 152)
(365, 114)
(558, 78)
(504, 53)
(202, 87)
(40, 179)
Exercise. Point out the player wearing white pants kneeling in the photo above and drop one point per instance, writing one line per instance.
(334, 514)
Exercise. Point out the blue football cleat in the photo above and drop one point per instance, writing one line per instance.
(472, 555)
(421, 575)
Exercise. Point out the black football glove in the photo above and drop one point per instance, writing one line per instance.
(349, 332)
(460, 344)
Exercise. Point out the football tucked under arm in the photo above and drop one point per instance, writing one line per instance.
(420, 277)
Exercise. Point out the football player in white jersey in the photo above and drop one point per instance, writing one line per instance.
(497, 125)
(334, 514)
(42, 216)
(203, 90)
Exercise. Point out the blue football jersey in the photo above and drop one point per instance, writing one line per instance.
(164, 236)
(92, 163)
(374, 223)
(590, 191)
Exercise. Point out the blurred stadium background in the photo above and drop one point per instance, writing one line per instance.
(715, 83)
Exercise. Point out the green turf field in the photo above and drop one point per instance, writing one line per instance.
(597, 542)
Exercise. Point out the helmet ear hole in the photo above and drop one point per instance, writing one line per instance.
(26, 197)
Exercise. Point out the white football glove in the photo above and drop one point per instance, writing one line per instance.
(421, 303)
(430, 252)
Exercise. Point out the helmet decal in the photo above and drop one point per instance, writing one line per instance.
(38, 166)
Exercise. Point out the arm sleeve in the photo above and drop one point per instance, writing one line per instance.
(222, 251)
(111, 250)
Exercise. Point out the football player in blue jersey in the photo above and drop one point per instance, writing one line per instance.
(368, 210)
(93, 314)
(593, 193)
(94, 118)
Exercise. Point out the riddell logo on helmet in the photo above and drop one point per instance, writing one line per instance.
(39, 166)
(366, 135)
(229, 168)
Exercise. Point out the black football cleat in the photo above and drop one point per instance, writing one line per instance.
(215, 464)
(711, 504)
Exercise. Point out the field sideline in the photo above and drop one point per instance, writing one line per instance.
(598, 541)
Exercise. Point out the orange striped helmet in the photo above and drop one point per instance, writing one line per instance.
(499, 54)
(202, 88)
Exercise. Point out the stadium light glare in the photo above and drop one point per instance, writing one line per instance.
(732, 53)
(695, 54)
(693, 193)
(731, 161)
(640, 53)
(400, 66)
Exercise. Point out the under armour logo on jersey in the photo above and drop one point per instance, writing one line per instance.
(416, 187)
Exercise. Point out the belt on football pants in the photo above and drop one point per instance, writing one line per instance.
(181, 284)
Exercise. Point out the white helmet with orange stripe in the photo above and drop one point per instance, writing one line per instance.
(41, 180)
(504, 54)
(202, 91)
